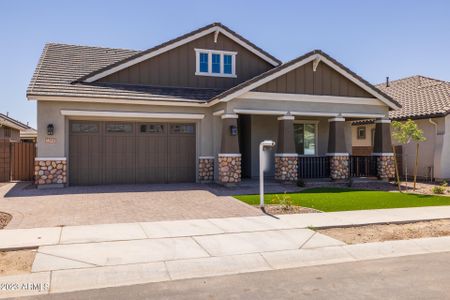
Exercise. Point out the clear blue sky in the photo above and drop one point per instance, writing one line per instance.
(373, 38)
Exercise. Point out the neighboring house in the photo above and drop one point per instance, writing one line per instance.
(195, 108)
(427, 102)
(11, 159)
(15, 131)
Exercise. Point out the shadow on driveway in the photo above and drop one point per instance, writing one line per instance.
(27, 189)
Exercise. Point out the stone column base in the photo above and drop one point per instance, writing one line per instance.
(206, 169)
(386, 166)
(286, 167)
(50, 172)
(339, 167)
(229, 168)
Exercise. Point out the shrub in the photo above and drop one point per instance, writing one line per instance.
(284, 200)
(441, 189)
(300, 183)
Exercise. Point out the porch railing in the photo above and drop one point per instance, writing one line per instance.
(363, 166)
(313, 167)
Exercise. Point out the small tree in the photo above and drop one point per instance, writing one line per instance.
(406, 132)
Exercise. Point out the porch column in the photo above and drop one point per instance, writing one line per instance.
(286, 158)
(229, 158)
(337, 150)
(382, 149)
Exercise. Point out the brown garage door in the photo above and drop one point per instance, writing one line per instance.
(131, 152)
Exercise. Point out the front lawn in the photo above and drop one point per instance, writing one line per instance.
(339, 199)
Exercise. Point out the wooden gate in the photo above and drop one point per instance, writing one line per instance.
(22, 161)
(5, 160)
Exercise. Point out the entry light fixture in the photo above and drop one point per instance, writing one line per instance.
(50, 129)
(233, 130)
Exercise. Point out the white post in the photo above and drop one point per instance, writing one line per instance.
(262, 166)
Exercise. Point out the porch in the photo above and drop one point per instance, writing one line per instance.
(308, 146)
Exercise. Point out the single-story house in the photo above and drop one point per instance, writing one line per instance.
(426, 101)
(15, 131)
(195, 109)
(12, 132)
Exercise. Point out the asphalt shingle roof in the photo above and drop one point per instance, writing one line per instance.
(420, 97)
(60, 65)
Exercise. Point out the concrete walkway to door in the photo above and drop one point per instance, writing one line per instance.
(32, 208)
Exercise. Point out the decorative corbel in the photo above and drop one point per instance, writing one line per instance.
(216, 35)
(316, 63)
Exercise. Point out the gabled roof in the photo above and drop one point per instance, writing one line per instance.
(13, 123)
(181, 40)
(297, 62)
(420, 97)
(61, 64)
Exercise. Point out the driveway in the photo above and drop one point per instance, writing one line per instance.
(116, 204)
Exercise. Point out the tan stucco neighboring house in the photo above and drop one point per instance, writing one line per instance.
(195, 108)
(426, 101)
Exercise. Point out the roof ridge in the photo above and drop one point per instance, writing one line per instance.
(91, 47)
(411, 77)
(434, 79)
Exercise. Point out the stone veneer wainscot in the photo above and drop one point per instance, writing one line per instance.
(206, 169)
(229, 168)
(286, 167)
(386, 166)
(50, 171)
(339, 167)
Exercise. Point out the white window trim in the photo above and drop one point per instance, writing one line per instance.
(316, 146)
(210, 53)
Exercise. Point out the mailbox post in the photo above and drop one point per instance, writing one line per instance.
(262, 168)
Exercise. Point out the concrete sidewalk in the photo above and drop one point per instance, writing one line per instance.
(95, 256)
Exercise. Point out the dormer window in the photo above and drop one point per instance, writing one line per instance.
(215, 63)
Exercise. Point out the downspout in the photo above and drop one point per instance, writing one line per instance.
(434, 144)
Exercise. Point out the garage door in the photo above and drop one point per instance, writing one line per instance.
(131, 152)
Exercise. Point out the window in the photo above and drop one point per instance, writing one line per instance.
(204, 62)
(227, 64)
(119, 128)
(361, 133)
(215, 63)
(84, 127)
(152, 128)
(182, 128)
(305, 138)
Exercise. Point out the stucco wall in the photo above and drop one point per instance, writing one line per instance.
(430, 152)
(362, 142)
(297, 106)
(444, 155)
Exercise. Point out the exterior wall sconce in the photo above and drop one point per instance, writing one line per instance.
(233, 130)
(50, 129)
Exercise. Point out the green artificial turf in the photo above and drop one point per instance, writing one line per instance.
(339, 199)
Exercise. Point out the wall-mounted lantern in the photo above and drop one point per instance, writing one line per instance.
(233, 130)
(50, 129)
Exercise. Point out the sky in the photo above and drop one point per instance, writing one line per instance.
(373, 38)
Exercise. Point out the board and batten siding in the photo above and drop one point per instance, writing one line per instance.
(177, 67)
(324, 81)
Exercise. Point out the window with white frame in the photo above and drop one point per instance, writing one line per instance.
(305, 135)
(215, 63)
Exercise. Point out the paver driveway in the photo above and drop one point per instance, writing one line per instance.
(115, 204)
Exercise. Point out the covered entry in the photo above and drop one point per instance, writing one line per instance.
(131, 152)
